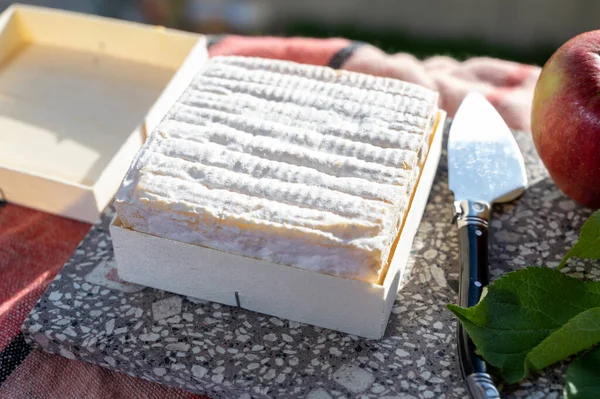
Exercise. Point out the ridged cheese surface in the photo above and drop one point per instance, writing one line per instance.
(294, 164)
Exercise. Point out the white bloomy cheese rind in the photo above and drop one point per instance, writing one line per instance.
(299, 165)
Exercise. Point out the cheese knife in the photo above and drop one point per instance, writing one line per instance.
(485, 166)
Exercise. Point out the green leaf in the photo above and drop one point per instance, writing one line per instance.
(583, 377)
(524, 308)
(578, 334)
(588, 245)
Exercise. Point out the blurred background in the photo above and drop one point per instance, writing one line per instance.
(521, 30)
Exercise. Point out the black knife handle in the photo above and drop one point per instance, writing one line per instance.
(474, 276)
(473, 255)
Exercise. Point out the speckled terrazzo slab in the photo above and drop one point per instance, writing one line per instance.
(227, 352)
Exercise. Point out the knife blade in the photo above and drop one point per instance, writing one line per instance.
(485, 166)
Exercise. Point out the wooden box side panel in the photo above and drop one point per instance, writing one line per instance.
(59, 198)
(111, 177)
(157, 46)
(11, 35)
(345, 305)
(418, 204)
(196, 59)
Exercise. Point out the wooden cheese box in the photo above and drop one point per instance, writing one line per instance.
(346, 305)
(77, 95)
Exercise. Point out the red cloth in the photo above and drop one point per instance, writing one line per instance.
(33, 248)
(46, 376)
(34, 245)
(294, 49)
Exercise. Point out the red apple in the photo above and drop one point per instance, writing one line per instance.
(565, 118)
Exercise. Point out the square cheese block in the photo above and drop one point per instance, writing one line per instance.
(298, 165)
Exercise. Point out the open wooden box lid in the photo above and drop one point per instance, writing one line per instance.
(77, 95)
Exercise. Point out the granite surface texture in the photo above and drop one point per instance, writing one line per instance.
(227, 352)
